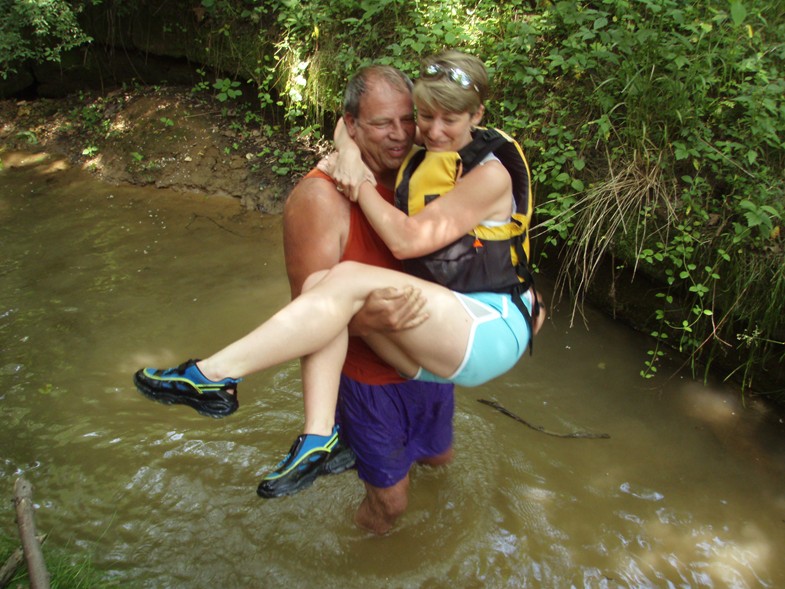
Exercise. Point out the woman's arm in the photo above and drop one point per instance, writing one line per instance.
(348, 168)
(483, 194)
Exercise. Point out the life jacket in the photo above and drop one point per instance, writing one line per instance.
(488, 258)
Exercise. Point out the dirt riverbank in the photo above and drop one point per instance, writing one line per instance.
(165, 137)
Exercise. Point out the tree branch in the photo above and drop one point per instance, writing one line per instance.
(541, 429)
(36, 568)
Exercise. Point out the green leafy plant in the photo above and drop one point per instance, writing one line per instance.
(203, 85)
(38, 30)
(227, 89)
(284, 162)
(29, 136)
(67, 570)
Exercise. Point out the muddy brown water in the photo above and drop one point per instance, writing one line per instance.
(99, 280)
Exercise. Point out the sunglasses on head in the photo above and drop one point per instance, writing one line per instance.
(454, 74)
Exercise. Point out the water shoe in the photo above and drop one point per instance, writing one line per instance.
(187, 385)
(309, 457)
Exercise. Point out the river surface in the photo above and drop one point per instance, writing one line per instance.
(99, 280)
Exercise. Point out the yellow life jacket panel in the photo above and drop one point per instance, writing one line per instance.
(489, 258)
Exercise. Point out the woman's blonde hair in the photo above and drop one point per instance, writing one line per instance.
(452, 81)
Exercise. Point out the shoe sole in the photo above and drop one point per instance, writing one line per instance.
(216, 408)
(340, 463)
(284, 491)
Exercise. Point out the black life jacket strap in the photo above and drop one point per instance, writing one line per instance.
(517, 293)
(475, 152)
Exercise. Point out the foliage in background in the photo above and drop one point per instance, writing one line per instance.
(37, 30)
(668, 152)
(654, 129)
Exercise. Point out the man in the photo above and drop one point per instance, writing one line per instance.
(389, 422)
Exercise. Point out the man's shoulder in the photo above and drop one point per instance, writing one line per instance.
(317, 193)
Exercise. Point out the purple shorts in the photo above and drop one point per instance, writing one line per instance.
(390, 427)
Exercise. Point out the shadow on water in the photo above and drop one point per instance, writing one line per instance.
(99, 280)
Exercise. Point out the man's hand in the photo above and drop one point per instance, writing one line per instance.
(390, 309)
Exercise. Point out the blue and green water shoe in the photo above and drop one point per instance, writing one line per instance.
(187, 385)
(309, 457)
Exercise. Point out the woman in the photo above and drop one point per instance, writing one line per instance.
(472, 238)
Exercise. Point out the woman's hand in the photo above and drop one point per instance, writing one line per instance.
(327, 164)
(348, 170)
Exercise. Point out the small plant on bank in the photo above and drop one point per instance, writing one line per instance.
(30, 137)
(284, 161)
(227, 89)
(203, 85)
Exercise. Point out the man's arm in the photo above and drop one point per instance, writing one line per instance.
(315, 229)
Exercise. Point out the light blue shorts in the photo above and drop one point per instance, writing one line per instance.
(499, 337)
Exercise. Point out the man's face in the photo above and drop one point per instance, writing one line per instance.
(384, 130)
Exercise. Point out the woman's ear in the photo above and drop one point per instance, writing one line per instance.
(477, 116)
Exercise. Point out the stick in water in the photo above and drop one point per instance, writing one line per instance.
(541, 429)
(36, 568)
(14, 561)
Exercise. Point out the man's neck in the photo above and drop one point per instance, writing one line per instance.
(387, 179)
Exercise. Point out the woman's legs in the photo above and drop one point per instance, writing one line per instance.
(314, 327)
(305, 326)
(329, 301)
(312, 321)
(321, 372)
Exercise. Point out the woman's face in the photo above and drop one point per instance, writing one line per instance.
(445, 131)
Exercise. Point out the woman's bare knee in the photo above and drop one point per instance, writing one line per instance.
(314, 279)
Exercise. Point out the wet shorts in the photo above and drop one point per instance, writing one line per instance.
(498, 339)
(390, 427)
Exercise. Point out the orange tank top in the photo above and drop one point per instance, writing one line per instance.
(364, 245)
